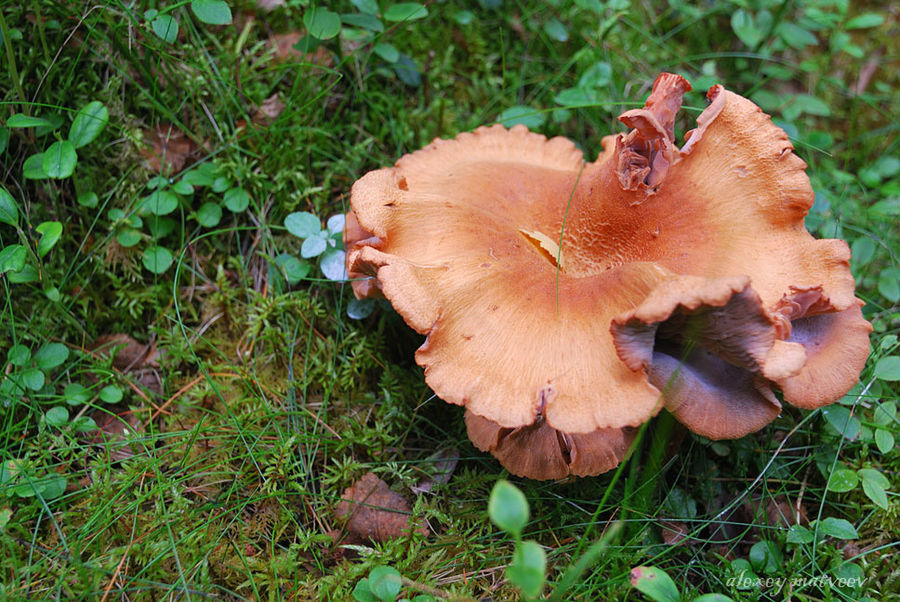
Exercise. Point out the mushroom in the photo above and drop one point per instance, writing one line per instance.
(565, 302)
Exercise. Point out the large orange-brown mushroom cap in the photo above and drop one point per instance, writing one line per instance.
(515, 257)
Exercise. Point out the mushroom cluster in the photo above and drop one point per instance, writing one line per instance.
(566, 302)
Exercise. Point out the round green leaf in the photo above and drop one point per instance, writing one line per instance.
(838, 528)
(59, 160)
(237, 199)
(27, 274)
(76, 394)
(464, 17)
(335, 224)
(292, 268)
(160, 202)
(51, 355)
(744, 576)
(52, 487)
(165, 27)
(302, 224)
(18, 355)
(57, 416)
(12, 258)
(884, 440)
(842, 420)
(508, 508)
(209, 215)
(405, 11)
(128, 237)
(110, 394)
(655, 584)
(88, 200)
(385, 582)
(713, 598)
(313, 246)
(889, 284)
(212, 12)
(50, 233)
(9, 209)
(529, 568)
(842, 480)
(52, 293)
(88, 123)
(387, 51)
(160, 227)
(322, 23)
(33, 167)
(362, 592)
(765, 557)
(555, 30)
(84, 424)
(888, 368)
(366, 6)
(519, 114)
(33, 379)
(157, 259)
(333, 266)
(359, 309)
(183, 188)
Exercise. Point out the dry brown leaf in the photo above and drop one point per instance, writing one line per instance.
(444, 463)
(673, 532)
(269, 110)
(131, 357)
(283, 44)
(169, 149)
(374, 512)
(115, 424)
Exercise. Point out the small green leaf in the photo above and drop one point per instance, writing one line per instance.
(52, 487)
(744, 576)
(166, 28)
(799, 534)
(33, 167)
(743, 25)
(333, 266)
(88, 200)
(322, 23)
(555, 30)
(362, 592)
(76, 394)
(655, 584)
(528, 569)
(57, 416)
(838, 528)
(5, 517)
(405, 11)
(27, 274)
(385, 583)
(26, 121)
(4, 139)
(387, 51)
(12, 258)
(183, 188)
(302, 224)
(884, 440)
(464, 17)
(842, 420)
(110, 394)
(366, 6)
(84, 424)
(292, 268)
(88, 123)
(864, 21)
(128, 237)
(160, 202)
(364, 21)
(874, 486)
(18, 355)
(59, 160)
(862, 250)
(888, 368)
(209, 215)
(531, 118)
(313, 246)
(335, 224)
(765, 557)
(508, 508)
(212, 12)
(33, 379)
(50, 233)
(359, 309)
(236, 200)
(842, 480)
(157, 259)
(713, 598)
(51, 355)
(9, 209)
(889, 284)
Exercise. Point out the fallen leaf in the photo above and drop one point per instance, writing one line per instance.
(374, 512)
(127, 353)
(283, 44)
(269, 110)
(115, 426)
(443, 464)
(673, 532)
(169, 149)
